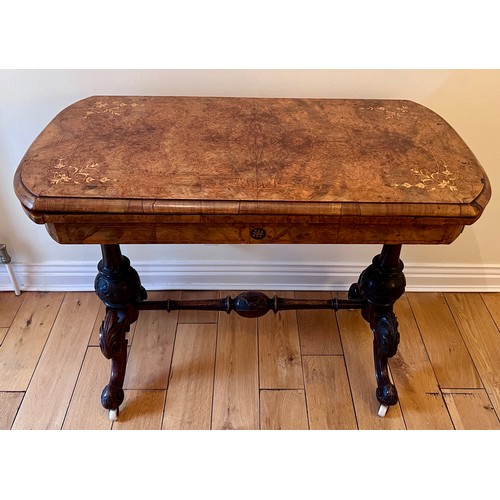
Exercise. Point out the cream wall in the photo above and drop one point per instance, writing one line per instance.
(468, 99)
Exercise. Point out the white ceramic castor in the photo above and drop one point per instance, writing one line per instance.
(113, 415)
(382, 410)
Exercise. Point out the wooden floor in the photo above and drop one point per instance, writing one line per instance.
(293, 370)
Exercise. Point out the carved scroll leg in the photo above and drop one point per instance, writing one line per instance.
(118, 285)
(380, 286)
(385, 344)
(113, 345)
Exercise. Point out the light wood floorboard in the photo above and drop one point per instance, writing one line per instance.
(24, 343)
(82, 412)
(3, 333)
(482, 339)
(318, 330)
(49, 392)
(9, 404)
(9, 305)
(294, 370)
(190, 391)
(283, 410)
(450, 358)
(492, 301)
(471, 409)
(236, 384)
(421, 400)
(279, 350)
(148, 365)
(327, 391)
(142, 410)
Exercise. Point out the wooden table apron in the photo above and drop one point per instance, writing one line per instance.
(142, 170)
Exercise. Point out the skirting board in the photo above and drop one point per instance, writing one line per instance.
(79, 276)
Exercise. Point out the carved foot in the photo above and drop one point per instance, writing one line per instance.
(111, 398)
(113, 344)
(385, 344)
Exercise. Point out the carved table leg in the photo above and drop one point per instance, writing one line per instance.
(118, 285)
(381, 285)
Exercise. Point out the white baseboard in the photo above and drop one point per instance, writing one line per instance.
(79, 276)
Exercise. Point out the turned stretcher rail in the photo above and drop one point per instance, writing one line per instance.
(250, 304)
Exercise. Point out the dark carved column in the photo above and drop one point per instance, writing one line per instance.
(118, 285)
(381, 285)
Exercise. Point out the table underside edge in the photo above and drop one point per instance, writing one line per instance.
(244, 233)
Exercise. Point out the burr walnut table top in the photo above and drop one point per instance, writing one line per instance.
(157, 169)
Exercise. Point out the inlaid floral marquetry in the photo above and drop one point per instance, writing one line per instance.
(441, 179)
(211, 156)
(110, 107)
(88, 174)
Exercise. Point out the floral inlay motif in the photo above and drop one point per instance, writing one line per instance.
(391, 112)
(442, 179)
(114, 108)
(69, 174)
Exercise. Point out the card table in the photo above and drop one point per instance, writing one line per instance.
(112, 170)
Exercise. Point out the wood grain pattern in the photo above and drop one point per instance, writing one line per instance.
(419, 393)
(421, 404)
(189, 396)
(185, 148)
(283, 410)
(9, 305)
(327, 391)
(450, 358)
(45, 403)
(141, 410)
(141, 159)
(85, 411)
(471, 409)
(236, 385)
(22, 347)
(318, 330)
(279, 350)
(492, 301)
(482, 339)
(150, 355)
(94, 337)
(9, 404)
(389, 232)
(3, 333)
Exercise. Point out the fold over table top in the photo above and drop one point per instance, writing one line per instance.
(237, 156)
